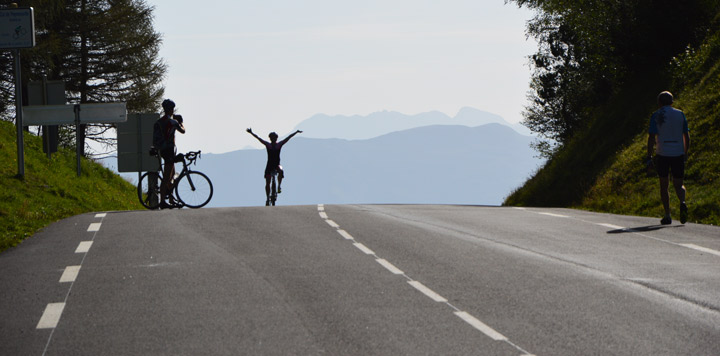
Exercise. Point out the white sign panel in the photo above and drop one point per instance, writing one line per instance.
(17, 28)
(104, 113)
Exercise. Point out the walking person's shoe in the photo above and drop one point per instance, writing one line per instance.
(683, 212)
(666, 221)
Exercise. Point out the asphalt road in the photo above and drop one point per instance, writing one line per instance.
(362, 280)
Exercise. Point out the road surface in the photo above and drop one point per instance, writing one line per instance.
(362, 280)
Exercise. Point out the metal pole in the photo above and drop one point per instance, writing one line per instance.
(19, 118)
(46, 128)
(78, 143)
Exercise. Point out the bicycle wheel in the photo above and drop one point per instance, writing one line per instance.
(194, 189)
(149, 191)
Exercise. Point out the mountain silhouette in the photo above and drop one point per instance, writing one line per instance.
(423, 165)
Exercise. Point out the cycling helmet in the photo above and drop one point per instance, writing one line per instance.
(168, 104)
(273, 134)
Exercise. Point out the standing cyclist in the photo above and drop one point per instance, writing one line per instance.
(669, 129)
(273, 162)
(164, 141)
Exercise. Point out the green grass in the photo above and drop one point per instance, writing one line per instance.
(599, 172)
(51, 190)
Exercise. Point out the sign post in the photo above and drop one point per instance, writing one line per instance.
(17, 30)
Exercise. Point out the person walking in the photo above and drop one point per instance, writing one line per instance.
(669, 131)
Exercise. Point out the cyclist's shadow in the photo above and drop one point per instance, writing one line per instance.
(643, 228)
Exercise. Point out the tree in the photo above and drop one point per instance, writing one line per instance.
(104, 51)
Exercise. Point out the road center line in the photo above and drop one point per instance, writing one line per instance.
(427, 291)
(323, 215)
(94, 227)
(364, 248)
(554, 215)
(477, 324)
(84, 247)
(51, 316)
(345, 234)
(70, 274)
(390, 267)
(332, 223)
(611, 226)
(100, 215)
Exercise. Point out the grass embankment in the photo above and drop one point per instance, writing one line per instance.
(601, 171)
(51, 189)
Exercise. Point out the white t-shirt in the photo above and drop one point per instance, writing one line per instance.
(669, 124)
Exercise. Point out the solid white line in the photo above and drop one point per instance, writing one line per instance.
(555, 215)
(70, 274)
(84, 247)
(427, 291)
(363, 248)
(100, 215)
(477, 324)
(390, 267)
(323, 215)
(332, 223)
(51, 316)
(345, 234)
(701, 249)
(612, 226)
(94, 227)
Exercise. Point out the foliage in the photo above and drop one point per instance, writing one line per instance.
(624, 189)
(51, 189)
(104, 51)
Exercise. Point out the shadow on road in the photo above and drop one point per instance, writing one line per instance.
(643, 228)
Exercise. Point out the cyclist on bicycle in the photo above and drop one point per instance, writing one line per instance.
(273, 163)
(164, 141)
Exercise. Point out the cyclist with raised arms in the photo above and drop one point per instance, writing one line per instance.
(273, 162)
(164, 141)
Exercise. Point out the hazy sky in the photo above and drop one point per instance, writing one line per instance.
(269, 64)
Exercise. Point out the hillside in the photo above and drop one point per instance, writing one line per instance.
(51, 189)
(602, 169)
(425, 165)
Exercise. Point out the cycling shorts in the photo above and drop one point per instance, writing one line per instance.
(665, 165)
(270, 169)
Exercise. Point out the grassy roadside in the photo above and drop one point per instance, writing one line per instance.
(51, 190)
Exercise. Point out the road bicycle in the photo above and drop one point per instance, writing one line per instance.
(273, 190)
(193, 189)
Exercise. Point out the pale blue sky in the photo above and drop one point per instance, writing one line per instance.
(269, 64)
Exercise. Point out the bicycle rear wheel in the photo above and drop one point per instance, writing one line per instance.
(149, 191)
(194, 189)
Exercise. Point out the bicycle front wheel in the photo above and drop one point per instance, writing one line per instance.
(148, 190)
(194, 189)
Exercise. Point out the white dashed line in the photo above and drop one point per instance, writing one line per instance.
(364, 248)
(321, 207)
(477, 324)
(94, 227)
(100, 215)
(611, 226)
(84, 247)
(345, 234)
(332, 223)
(51, 316)
(427, 291)
(70, 274)
(323, 215)
(390, 267)
(701, 249)
(554, 215)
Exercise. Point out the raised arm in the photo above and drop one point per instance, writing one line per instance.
(289, 137)
(256, 136)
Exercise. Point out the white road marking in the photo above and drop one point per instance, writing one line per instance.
(428, 292)
(70, 274)
(611, 226)
(94, 227)
(51, 316)
(701, 249)
(100, 215)
(345, 234)
(390, 267)
(321, 207)
(477, 324)
(518, 208)
(84, 247)
(332, 223)
(323, 215)
(555, 215)
(364, 248)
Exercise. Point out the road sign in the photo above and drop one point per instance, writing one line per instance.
(134, 142)
(17, 28)
(102, 113)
